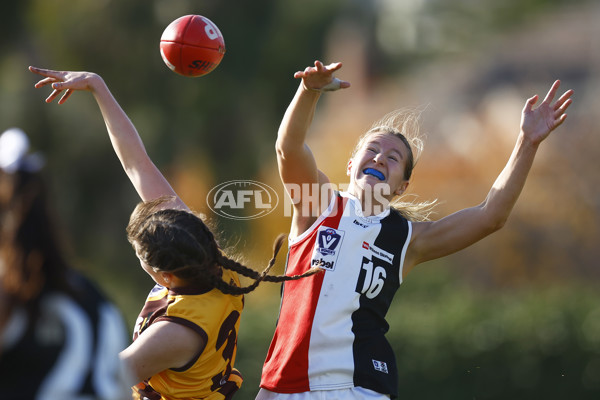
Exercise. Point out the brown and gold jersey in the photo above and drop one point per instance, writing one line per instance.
(216, 317)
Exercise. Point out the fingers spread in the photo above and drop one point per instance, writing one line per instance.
(530, 103)
(65, 96)
(44, 82)
(552, 92)
(559, 121)
(334, 66)
(45, 72)
(561, 110)
(52, 96)
(563, 99)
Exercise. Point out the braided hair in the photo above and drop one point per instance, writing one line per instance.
(179, 242)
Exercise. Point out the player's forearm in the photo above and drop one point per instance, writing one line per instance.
(508, 186)
(296, 122)
(123, 135)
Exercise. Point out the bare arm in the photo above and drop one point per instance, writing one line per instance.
(296, 162)
(162, 346)
(147, 180)
(436, 239)
(297, 165)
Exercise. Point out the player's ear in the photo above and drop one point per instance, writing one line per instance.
(167, 276)
(349, 167)
(402, 188)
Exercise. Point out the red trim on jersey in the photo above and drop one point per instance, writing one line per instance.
(286, 365)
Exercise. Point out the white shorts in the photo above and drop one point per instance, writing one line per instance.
(353, 393)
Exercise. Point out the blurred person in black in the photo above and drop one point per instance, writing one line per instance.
(59, 335)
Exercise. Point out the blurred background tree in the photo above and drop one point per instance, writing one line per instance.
(513, 316)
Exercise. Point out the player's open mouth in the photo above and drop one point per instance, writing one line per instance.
(374, 172)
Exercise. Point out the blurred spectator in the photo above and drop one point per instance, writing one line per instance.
(59, 335)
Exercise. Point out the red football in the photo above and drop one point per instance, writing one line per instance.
(192, 45)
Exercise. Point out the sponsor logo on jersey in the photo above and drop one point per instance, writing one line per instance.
(357, 222)
(382, 254)
(323, 264)
(380, 366)
(327, 247)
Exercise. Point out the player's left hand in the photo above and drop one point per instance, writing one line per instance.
(536, 124)
(320, 77)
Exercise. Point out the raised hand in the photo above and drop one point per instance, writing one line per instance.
(147, 180)
(536, 124)
(67, 81)
(320, 77)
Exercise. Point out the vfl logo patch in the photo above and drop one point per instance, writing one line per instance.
(325, 253)
(328, 239)
(380, 366)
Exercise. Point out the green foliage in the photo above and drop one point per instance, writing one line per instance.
(218, 118)
(453, 341)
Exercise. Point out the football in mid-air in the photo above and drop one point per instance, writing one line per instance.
(192, 45)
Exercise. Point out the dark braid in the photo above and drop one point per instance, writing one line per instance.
(233, 265)
(281, 278)
(179, 242)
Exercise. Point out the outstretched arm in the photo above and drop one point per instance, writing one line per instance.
(297, 165)
(439, 238)
(147, 180)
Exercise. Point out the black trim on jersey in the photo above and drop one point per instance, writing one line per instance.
(195, 328)
(374, 361)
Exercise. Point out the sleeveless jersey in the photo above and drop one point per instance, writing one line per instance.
(331, 328)
(216, 317)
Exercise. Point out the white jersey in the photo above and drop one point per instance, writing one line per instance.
(331, 328)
